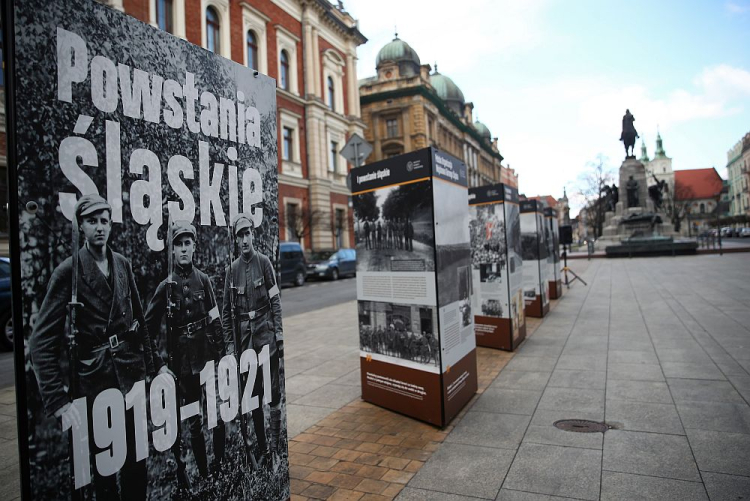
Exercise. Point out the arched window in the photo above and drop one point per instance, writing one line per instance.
(164, 15)
(213, 31)
(331, 94)
(703, 208)
(284, 73)
(252, 50)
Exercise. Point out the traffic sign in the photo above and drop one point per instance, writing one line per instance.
(356, 150)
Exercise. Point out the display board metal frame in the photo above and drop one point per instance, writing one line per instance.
(499, 319)
(553, 243)
(416, 327)
(110, 169)
(534, 255)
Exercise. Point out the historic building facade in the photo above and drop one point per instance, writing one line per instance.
(738, 164)
(310, 48)
(698, 192)
(406, 107)
(659, 167)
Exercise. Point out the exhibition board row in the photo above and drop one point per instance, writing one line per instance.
(437, 277)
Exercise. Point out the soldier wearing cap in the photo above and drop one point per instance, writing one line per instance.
(114, 346)
(197, 335)
(258, 307)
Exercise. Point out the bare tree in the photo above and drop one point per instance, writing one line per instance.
(301, 221)
(591, 187)
(677, 204)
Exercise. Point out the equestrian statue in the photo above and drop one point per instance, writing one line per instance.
(629, 134)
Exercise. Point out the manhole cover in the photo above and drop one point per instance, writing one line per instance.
(581, 426)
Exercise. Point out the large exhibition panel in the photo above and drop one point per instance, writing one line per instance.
(552, 235)
(497, 270)
(416, 326)
(534, 252)
(144, 215)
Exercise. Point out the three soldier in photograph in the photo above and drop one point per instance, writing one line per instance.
(112, 343)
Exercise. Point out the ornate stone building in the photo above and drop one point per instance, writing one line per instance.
(660, 166)
(406, 107)
(310, 48)
(738, 165)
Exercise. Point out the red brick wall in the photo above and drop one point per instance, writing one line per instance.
(193, 19)
(137, 8)
(324, 46)
(291, 192)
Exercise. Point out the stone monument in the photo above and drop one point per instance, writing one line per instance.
(637, 226)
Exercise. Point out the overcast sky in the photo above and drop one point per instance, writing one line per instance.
(552, 78)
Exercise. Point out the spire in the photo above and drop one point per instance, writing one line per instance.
(644, 154)
(436, 67)
(395, 32)
(659, 146)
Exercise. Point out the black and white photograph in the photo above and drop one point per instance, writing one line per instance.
(403, 333)
(492, 307)
(487, 231)
(453, 246)
(393, 229)
(148, 248)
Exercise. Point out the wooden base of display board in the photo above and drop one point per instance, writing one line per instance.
(555, 289)
(536, 309)
(497, 333)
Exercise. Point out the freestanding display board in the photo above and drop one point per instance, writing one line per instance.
(552, 235)
(416, 325)
(147, 367)
(497, 270)
(534, 252)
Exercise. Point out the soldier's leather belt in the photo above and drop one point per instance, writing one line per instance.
(194, 326)
(251, 315)
(113, 342)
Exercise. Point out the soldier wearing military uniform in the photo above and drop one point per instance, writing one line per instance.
(197, 336)
(113, 343)
(258, 308)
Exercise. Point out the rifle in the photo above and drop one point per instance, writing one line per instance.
(237, 346)
(173, 345)
(73, 351)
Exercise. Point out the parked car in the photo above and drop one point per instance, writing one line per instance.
(6, 314)
(332, 265)
(745, 232)
(293, 264)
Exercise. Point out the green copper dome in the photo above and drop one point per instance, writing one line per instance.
(397, 51)
(446, 89)
(483, 130)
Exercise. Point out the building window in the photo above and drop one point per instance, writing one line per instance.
(331, 94)
(288, 144)
(292, 222)
(391, 127)
(284, 73)
(703, 208)
(213, 31)
(333, 163)
(340, 226)
(252, 50)
(164, 12)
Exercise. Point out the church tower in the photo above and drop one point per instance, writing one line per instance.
(660, 166)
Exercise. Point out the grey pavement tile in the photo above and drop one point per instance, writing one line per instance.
(488, 429)
(693, 355)
(507, 401)
(354, 378)
(10, 483)
(563, 378)
(557, 471)
(667, 456)
(301, 417)
(334, 368)
(464, 469)
(726, 487)
(703, 390)
(687, 370)
(548, 417)
(412, 494)
(539, 351)
(510, 495)
(626, 343)
(635, 372)
(716, 416)
(573, 399)
(720, 452)
(638, 391)
(8, 453)
(331, 395)
(632, 357)
(642, 416)
(549, 435)
(521, 380)
(302, 384)
(582, 362)
(728, 366)
(534, 364)
(626, 487)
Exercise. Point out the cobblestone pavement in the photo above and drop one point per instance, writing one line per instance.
(658, 348)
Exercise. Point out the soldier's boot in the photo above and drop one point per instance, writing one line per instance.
(275, 433)
(219, 447)
(199, 452)
(260, 434)
(182, 475)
